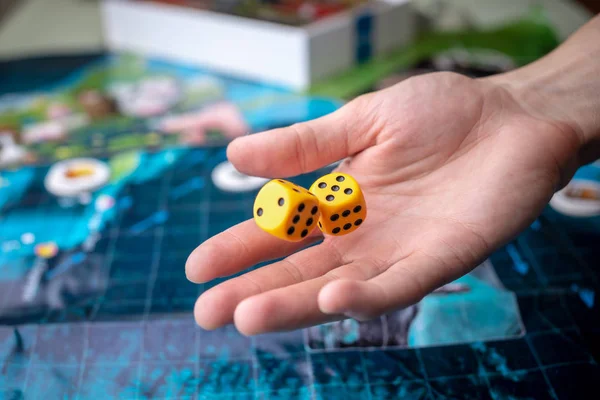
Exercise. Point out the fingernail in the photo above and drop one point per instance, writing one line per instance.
(357, 316)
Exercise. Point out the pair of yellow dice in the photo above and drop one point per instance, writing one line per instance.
(334, 203)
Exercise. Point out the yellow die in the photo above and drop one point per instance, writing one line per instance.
(341, 202)
(286, 210)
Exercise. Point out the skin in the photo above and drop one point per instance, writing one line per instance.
(451, 168)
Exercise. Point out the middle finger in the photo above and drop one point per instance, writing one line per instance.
(215, 307)
(296, 306)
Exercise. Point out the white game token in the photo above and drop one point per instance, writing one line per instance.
(27, 238)
(74, 177)
(229, 179)
(580, 198)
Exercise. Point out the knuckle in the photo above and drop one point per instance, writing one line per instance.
(293, 270)
(302, 134)
(365, 119)
(361, 102)
(243, 247)
(332, 276)
(406, 274)
(257, 287)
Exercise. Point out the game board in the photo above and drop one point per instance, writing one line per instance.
(94, 302)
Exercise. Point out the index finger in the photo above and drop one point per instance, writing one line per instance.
(307, 146)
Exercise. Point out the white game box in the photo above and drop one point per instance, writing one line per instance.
(286, 55)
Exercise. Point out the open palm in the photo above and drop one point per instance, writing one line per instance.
(451, 168)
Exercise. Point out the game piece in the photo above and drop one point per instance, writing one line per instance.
(348, 32)
(229, 179)
(286, 210)
(73, 177)
(46, 250)
(342, 204)
(580, 198)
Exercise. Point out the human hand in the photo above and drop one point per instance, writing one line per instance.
(451, 168)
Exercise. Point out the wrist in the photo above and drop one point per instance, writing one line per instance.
(564, 88)
(561, 103)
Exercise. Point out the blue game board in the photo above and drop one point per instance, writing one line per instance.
(94, 302)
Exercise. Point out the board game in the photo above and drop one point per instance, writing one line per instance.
(295, 12)
(291, 43)
(113, 174)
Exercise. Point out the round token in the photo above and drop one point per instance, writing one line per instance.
(580, 198)
(229, 179)
(27, 238)
(71, 178)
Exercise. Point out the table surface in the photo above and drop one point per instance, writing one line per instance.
(112, 316)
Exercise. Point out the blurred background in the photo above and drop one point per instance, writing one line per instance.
(114, 120)
(30, 27)
(340, 35)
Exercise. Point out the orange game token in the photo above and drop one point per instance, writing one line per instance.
(46, 250)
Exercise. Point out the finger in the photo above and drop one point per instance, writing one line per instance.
(215, 307)
(307, 146)
(237, 248)
(403, 284)
(295, 306)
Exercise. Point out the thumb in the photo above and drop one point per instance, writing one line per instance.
(306, 146)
